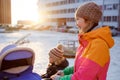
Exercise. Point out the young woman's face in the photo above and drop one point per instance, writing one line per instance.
(82, 25)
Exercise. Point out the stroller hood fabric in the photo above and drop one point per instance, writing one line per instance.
(16, 59)
(16, 63)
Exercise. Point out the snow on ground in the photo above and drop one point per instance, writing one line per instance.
(42, 42)
(114, 71)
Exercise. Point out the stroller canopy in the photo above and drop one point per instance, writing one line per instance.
(15, 59)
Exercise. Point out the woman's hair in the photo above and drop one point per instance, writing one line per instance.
(92, 25)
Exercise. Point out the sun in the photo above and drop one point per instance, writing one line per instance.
(24, 10)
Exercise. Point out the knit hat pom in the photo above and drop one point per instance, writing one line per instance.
(60, 47)
(56, 53)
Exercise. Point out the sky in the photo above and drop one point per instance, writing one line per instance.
(24, 10)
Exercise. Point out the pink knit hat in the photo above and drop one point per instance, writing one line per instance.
(56, 53)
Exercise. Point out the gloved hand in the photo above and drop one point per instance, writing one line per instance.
(55, 77)
(60, 73)
(46, 79)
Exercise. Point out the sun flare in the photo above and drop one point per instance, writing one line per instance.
(24, 10)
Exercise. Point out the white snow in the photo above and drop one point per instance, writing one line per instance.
(41, 42)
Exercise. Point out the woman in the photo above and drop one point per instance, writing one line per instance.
(92, 56)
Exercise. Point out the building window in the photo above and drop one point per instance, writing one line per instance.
(111, 7)
(71, 19)
(115, 6)
(85, 0)
(77, 1)
(60, 3)
(107, 18)
(71, 1)
(114, 18)
(101, 7)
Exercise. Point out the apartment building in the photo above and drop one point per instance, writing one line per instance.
(5, 11)
(61, 12)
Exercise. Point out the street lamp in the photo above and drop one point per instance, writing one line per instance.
(103, 12)
(119, 15)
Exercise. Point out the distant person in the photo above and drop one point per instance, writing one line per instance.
(56, 61)
(93, 56)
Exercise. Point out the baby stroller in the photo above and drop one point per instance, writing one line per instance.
(16, 63)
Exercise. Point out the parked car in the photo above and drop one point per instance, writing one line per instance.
(62, 29)
(114, 31)
(73, 30)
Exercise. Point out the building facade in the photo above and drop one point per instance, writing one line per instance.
(61, 12)
(5, 11)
